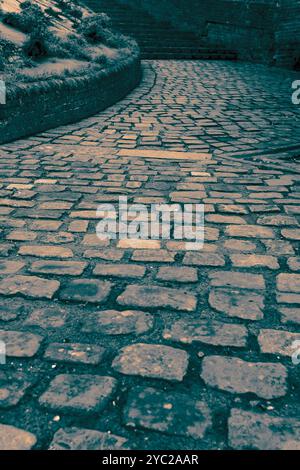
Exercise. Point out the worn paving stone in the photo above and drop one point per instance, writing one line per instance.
(237, 303)
(13, 438)
(206, 331)
(236, 245)
(86, 439)
(170, 413)
(20, 343)
(29, 286)
(260, 431)
(294, 263)
(150, 256)
(86, 290)
(277, 220)
(46, 251)
(10, 267)
(290, 315)
(114, 322)
(48, 317)
(70, 268)
(70, 393)
(288, 282)
(231, 374)
(9, 311)
(278, 342)
(177, 274)
(254, 261)
(249, 231)
(120, 270)
(291, 234)
(75, 352)
(153, 361)
(157, 297)
(204, 259)
(237, 279)
(13, 386)
(57, 180)
(139, 244)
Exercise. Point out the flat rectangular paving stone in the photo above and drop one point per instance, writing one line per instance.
(119, 270)
(164, 154)
(20, 343)
(70, 268)
(75, 352)
(290, 315)
(13, 386)
(288, 282)
(234, 375)
(46, 251)
(278, 342)
(260, 431)
(237, 279)
(86, 290)
(114, 322)
(237, 303)
(153, 361)
(171, 413)
(157, 297)
(29, 286)
(10, 267)
(47, 317)
(72, 393)
(206, 331)
(12, 438)
(86, 439)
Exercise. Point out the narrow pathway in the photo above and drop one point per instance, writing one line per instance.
(146, 345)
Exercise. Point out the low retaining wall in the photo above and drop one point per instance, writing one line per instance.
(33, 108)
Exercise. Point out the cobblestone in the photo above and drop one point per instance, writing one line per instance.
(74, 352)
(206, 331)
(20, 344)
(81, 315)
(86, 439)
(172, 413)
(113, 322)
(262, 432)
(234, 375)
(278, 342)
(79, 393)
(237, 303)
(12, 438)
(152, 360)
(157, 297)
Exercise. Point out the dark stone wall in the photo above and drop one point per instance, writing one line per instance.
(259, 30)
(31, 109)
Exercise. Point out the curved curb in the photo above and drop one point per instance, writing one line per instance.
(33, 109)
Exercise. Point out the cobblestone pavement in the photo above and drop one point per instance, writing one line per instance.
(143, 344)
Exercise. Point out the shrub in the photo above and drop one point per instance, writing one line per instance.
(42, 43)
(93, 27)
(30, 17)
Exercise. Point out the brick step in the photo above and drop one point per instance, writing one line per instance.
(157, 40)
(179, 50)
(138, 28)
(188, 56)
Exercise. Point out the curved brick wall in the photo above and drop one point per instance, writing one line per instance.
(33, 109)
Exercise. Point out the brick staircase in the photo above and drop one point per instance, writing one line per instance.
(157, 40)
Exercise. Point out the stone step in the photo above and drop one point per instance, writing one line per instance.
(188, 56)
(157, 40)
